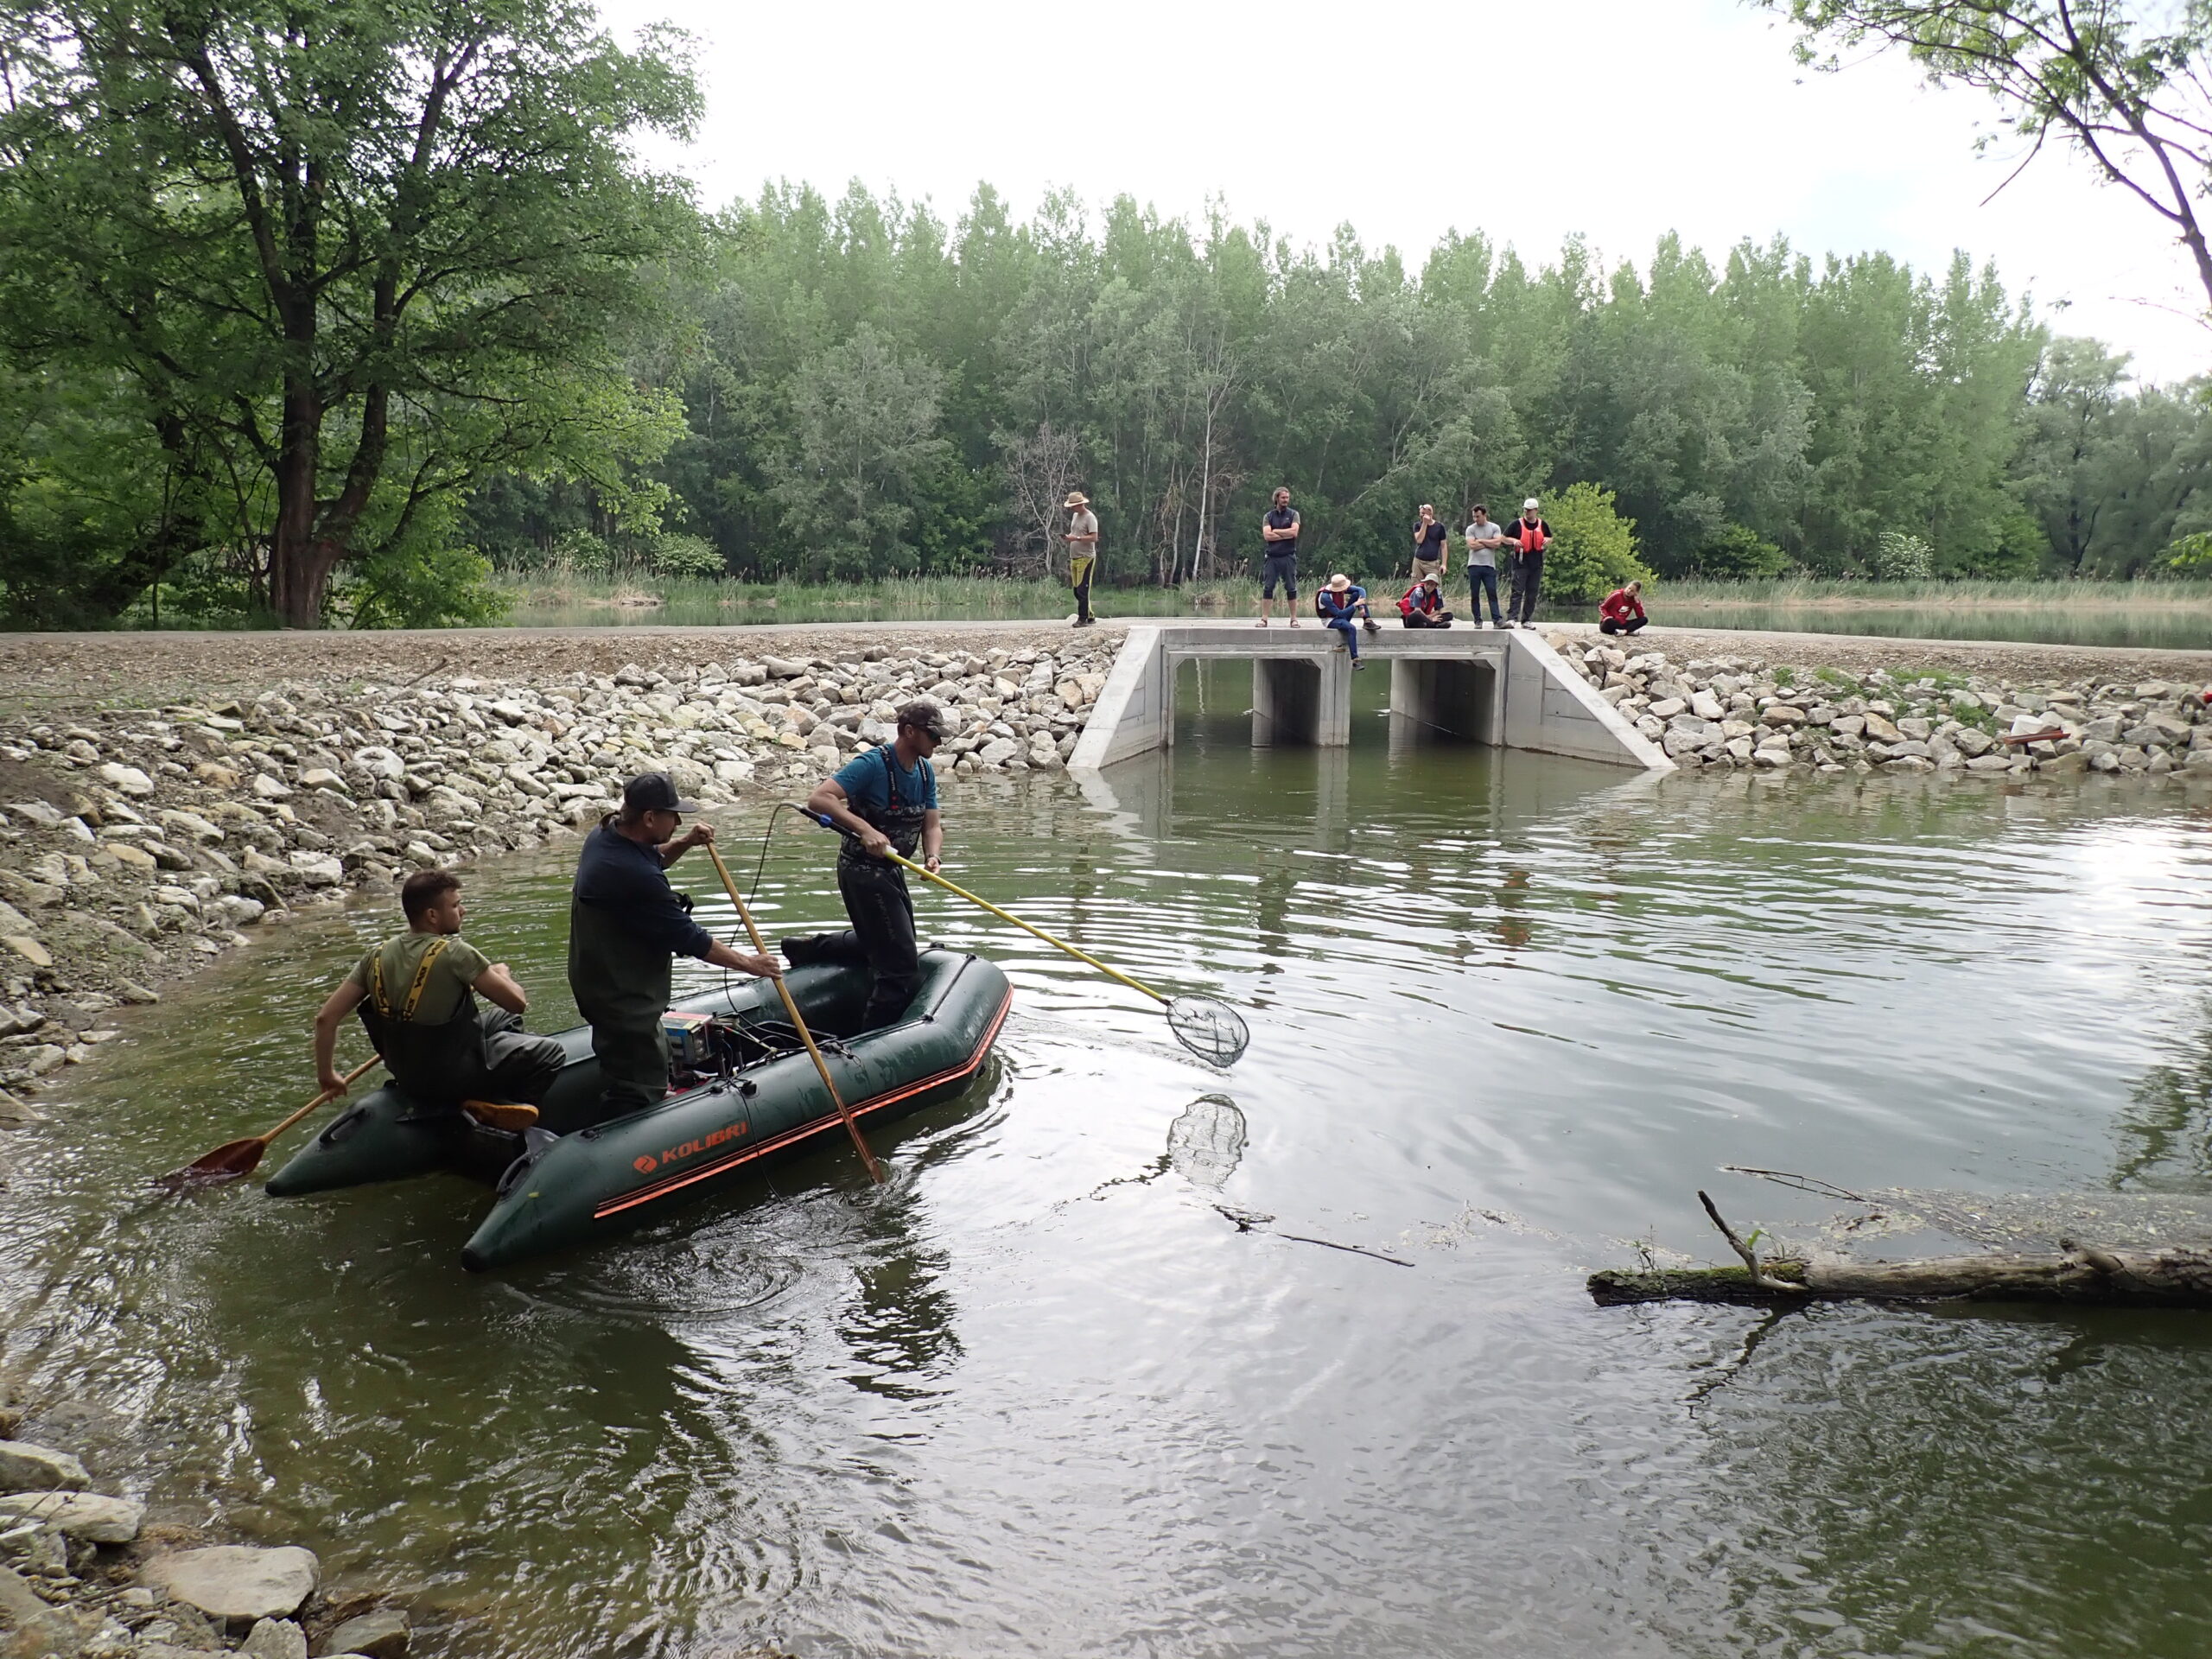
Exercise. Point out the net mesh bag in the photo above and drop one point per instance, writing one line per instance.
(1212, 1031)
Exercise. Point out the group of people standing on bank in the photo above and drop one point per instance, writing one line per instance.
(1512, 553)
(416, 994)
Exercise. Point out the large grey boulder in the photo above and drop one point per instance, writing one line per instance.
(88, 1515)
(238, 1580)
(27, 1468)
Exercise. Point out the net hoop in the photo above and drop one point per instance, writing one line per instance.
(1211, 1030)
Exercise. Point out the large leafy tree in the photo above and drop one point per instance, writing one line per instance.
(2123, 82)
(329, 264)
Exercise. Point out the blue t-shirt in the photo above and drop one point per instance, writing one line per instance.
(865, 779)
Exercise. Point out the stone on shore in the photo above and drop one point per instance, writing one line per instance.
(92, 1516)
(27, 1468)
(238, 1581)
(383, 1633)
(274, 1638)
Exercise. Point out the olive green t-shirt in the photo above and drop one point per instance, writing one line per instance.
(452, 973)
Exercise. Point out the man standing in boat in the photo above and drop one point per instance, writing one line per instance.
(885, 801)
(417, 995)
(626, 925)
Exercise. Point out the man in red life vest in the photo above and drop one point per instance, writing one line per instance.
(1423, 606)
(1525, 538)
(1622, 610)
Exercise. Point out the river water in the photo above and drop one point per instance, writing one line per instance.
(1091, 1375)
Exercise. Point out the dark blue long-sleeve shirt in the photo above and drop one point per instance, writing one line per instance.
(624, 878)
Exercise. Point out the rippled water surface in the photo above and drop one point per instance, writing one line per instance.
(1087, 1378)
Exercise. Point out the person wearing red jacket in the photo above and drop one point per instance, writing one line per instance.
(1622, 610)
(1423, 606)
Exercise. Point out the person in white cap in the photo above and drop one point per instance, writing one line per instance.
(1526, 537)
(1082, 553)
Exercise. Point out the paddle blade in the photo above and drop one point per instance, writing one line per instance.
(232, 1161)
(1212, 1031)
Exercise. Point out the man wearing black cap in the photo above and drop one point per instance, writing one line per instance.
(886, 801)
(626, 925)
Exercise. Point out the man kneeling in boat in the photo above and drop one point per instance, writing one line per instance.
(886, 802)
(415, 995)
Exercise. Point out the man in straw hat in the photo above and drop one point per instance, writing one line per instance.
(1342, 602)
(1082, 553)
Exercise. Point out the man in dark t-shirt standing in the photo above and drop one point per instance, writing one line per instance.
(1429, 541)
(1279, 558)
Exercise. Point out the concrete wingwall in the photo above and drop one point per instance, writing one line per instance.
(1505, 687)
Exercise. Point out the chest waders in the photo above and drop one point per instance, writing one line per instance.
(882, 911)
(623, 984)
(434, 1063)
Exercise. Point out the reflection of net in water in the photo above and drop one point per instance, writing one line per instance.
(1212, 1031)
(1205, 1143)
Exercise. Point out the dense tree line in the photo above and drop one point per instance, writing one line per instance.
(314, 313)
(869, 391)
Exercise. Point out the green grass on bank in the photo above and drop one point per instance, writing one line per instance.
(1788, 593)
(543, 601)
(583, 602)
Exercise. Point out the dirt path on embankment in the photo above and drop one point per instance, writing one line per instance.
(54, 672)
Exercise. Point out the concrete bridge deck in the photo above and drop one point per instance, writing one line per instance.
(1505, 687)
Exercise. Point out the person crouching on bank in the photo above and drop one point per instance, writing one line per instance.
(416, 995)
(1622, 610)
(886, 801)
(626, 927)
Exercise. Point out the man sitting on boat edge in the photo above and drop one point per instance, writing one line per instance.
(416, 997)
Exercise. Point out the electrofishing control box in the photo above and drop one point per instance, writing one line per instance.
(690, 1040)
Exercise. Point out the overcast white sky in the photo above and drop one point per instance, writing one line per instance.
(1617, 118)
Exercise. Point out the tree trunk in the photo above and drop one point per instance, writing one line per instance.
(2078, 1274)
(296, 576)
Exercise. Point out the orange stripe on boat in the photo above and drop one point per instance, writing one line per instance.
(661, 1189)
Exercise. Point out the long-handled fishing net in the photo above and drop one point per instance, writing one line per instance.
(1209, 1027)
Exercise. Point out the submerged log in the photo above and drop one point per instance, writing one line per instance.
(2075, 1275)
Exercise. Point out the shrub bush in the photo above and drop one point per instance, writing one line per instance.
(1593, 548)
(1900, 557)
(694, 557)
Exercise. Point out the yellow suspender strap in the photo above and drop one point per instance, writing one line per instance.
(423, 977)
(376, 982)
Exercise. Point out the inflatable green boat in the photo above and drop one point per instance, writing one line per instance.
(743, 1094)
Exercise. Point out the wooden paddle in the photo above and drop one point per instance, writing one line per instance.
(790, 1007)
(234, 1159)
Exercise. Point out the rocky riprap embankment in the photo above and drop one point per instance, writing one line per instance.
(1731, 711)
(80, 1580)
(135, 842)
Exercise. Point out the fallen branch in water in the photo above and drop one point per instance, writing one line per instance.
(2075, 1274)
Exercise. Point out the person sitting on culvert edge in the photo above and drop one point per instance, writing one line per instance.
(416, 994)
(1422, 605)
(1622, 610)
(1340, 602)
(626, 925)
